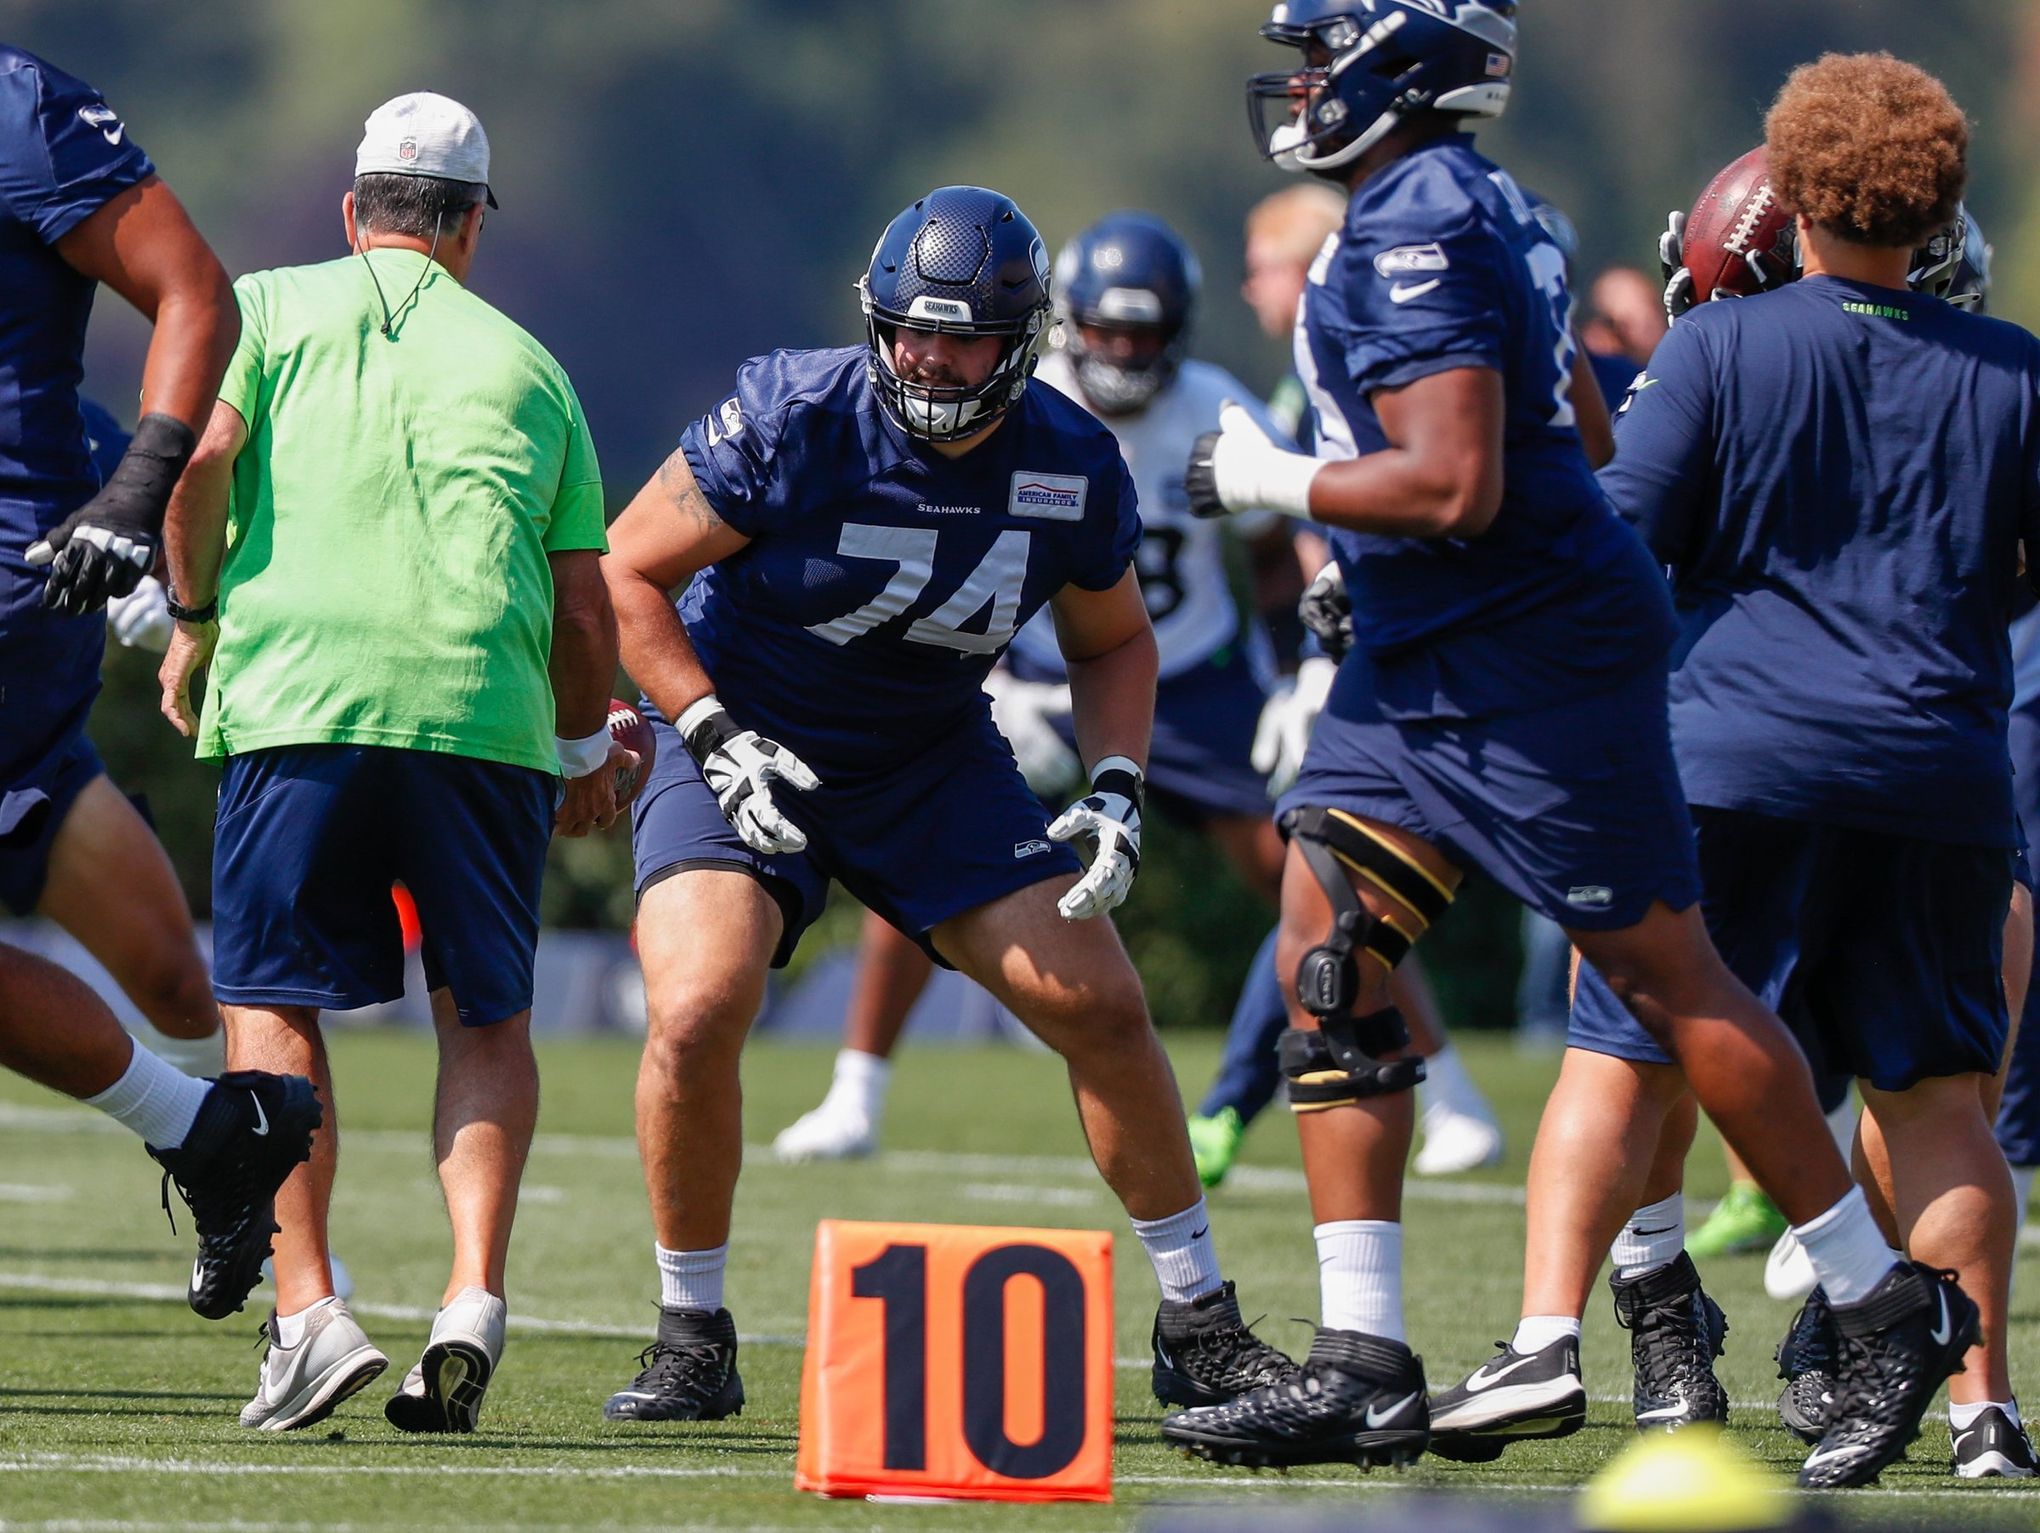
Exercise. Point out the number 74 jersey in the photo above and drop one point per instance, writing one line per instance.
(882, 580)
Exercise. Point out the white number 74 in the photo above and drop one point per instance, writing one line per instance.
(995, 582)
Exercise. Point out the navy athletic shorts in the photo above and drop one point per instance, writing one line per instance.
(1200, 762)
(1575, 810)
(940, 834)
(1881, 952)
(310, 839)
(33, 810)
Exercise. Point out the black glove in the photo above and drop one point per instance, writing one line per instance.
(1327, 611)
(105, 547)
(1200, 482)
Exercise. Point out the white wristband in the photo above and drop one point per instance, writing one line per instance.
(580, 757)
(1267, 479)
(701, 708)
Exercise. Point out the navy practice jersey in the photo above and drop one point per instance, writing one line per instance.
(1442, 264)
(882, 579)
(1839, 478)
(63, 156)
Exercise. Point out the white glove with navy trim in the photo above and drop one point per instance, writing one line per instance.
(740, 766)
(1110, 815)
(1283, 733)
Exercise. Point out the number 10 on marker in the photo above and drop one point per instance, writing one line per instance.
(957, 1361)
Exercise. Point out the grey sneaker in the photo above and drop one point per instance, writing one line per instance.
(300, 1385)
(443, 1391)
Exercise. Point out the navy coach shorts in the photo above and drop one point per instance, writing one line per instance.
(943, 833)
(1576, 810)
(1881, 952)
(33, 810)
(311, 837)
(1200, 759)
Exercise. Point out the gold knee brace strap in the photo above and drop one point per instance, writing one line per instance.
(1331, 840)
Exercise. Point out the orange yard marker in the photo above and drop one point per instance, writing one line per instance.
(955, 1361)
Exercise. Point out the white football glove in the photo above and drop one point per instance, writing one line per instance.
(1283, 734)
(1239, 468)
(1111, 815)
(740, 766)
(1025, 712)
(141, 619)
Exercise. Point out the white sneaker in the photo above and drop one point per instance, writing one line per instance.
(830, 1132)
(300, 1385)
(444, 1389)
(1788, 1271)
(343, 1280)
(1457, 1141)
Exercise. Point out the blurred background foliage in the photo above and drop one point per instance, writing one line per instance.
(686, 184)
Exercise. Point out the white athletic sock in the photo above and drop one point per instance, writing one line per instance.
(290, 1329)
(1181, 1251)
(194, 1056)
(155, 1100)
(1849, 1256)
(1536, 1332)
(692, 1279)
(1653, 1237)
(2022, 1192)
(1359, 1265)
(859, 1084)
(1446, 1084)
(1961, 1417)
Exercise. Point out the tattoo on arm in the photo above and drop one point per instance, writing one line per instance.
(677, 480)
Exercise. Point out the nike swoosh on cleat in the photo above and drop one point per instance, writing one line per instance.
(261, 1118)
(1376, 1415)
(1481, 1378)
(1834, 1456)
(1946, 1328)
(1665, 1412)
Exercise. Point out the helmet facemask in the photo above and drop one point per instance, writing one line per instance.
(941, 412)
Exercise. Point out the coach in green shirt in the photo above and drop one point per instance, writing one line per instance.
(385, 552)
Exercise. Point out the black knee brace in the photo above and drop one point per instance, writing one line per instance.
(1337, 1063)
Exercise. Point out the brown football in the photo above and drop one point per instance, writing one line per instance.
(627, 727)
(1737, 216)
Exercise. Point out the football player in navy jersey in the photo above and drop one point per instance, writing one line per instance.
(1838, 713)
(1497, 711)
(859, 533)
(2018, 1115)
(81, 204)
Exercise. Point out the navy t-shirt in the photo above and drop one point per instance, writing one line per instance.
(1443, 264)
(64, 154)
(1839, 478)
(882, 579)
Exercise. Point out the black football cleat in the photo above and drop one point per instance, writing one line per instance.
(688, 1374)
(1516, 1397)
(252, 1131)
(1897, 1345)
(1357, 1399)
(1806, 1362)
(1993, 1447)
(1205, 1354)
(1675, 1334)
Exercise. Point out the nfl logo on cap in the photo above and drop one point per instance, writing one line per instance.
(424, 134)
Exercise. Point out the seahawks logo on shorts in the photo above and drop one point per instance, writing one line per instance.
(1590, 896)
(1028, 849)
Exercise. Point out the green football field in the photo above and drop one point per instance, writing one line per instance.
(117, 1404)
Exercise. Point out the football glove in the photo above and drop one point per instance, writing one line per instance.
(1110, 814)
(1283, 734)
(1327, 611)
(1671, 254)
(141, 619)
(740, 766)
(1239, 468)
(107, 545)
(1025, 712)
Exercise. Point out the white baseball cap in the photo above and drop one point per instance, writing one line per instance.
(424, 134)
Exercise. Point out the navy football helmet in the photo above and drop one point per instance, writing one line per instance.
(1369, 64)
(962, 261)
(1127, 272)
(1954, 264)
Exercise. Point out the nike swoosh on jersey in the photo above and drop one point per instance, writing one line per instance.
(1403, 292)
(1376, 1415)
(1482, 1378)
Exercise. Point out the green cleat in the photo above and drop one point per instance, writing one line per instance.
(1744, 1220)
(1215, 1143)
